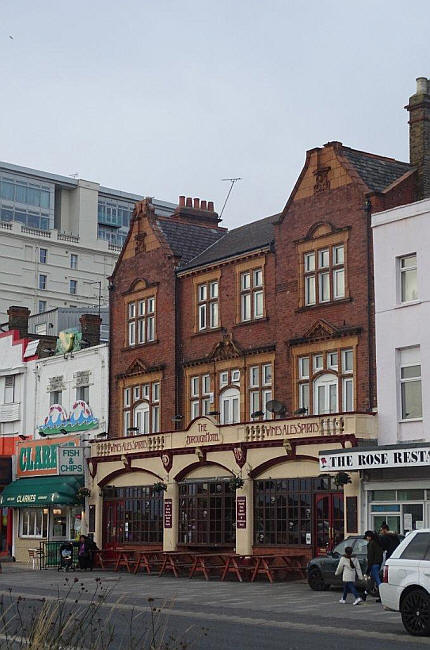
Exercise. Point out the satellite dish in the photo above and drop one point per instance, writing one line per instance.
(274, 406)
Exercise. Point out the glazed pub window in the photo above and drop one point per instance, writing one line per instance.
(141, 321)
(229, 396)
(201, 396)
(324, 275)
(207, 513)
(141, 409)
(260, 391)
(138, 516)
(326, 382)
(251, 295)
(208, 307)
(282, 511)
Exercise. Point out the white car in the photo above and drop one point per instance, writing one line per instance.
(406, 582)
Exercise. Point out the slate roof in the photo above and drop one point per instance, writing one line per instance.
(188, 240)
(376, 171)
(239, 240)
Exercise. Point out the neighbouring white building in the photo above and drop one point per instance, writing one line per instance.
(397, 474)
(59, 238)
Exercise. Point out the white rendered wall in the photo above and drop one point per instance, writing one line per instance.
(11, 363)
(93, 360)
(398, 232)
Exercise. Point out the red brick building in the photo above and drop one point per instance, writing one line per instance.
(210, 322)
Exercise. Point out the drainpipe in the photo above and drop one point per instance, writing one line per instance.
(371, 339)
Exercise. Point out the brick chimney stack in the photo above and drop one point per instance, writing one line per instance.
(419, 135)
(18, 319)
(196, 211)
(90, 328)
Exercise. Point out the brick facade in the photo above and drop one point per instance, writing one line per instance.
(331, 202)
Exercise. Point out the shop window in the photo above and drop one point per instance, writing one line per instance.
(141, 321)
(208, 306)
(251, 295)
(282, 511)
(410, 383)
(408, 278)
(230, 406)
(141, 409)
(33, 522)
(200, 395)
(9, 389)
(324, 275)
(207, 513)
(325, 382)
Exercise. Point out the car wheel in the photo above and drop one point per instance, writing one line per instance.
(415, 611)
(316, 581)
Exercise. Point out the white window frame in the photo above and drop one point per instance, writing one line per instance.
(142, 410)
(310, 290)
(230, 406)
(223, 378)
(127, 397)
(347, 381)
(414, 361)
(195, 409)
(316, 367)
(9, 389)
(404, 271)
(206, 384)
(43, 258)
(73, 261)
(330, 363)
(23, 514)
(254, 376)
(326, 381)
(43, 282)
(266, 372)
(345, 355)
(195, 386)
(302, 373)
(235, 376)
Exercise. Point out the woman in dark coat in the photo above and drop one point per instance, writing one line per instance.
(84, 553)
(374, 557)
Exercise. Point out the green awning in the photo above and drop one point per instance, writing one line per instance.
(41, 491)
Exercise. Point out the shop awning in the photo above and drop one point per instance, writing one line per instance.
(41, 491)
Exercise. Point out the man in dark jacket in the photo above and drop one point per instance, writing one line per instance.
(374, 557)
(388, 540)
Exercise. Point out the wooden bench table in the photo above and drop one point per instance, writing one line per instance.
(236, 564)
(206, 562)
(147, 559)
(267, 564)
(125, 557)
(175, 561)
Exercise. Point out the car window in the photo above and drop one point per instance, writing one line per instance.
(360, 547)
(340, 548)
(417, 547)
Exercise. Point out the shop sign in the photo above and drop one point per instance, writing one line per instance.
(376, 459)
(203, 433)
(115, 447)
(40, 457)
(240, 512)
(70, 461)
(168, 513)
(289, 428)
(80, 418)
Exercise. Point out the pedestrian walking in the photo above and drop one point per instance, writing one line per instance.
(374, 557)
(349, 567)
(388, 540)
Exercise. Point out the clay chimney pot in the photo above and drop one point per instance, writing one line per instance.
(210, 206)
(203, 205)
(196, 203)
(189, 202)
(182, 201)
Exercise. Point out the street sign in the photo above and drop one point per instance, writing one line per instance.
(70, 461)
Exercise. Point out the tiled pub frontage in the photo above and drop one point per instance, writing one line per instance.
(245, 488)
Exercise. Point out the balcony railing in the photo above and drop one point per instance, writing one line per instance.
(5, 225)
(66, 237)
(36, 231)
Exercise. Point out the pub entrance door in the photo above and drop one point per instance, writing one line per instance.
(113, 523)
(328, 521)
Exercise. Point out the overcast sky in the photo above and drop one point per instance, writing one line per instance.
(164, 98)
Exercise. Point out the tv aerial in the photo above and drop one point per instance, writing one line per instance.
(232, 181)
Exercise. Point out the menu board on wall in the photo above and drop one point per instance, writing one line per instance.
(241, 512)
(351, 514)
(168, 510)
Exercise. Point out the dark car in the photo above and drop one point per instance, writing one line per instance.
(321, 569)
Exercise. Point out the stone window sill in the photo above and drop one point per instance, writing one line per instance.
(139, 346)
(321, 305)
(209, 330)
(255, 321)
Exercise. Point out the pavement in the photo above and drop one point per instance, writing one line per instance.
(216, 615)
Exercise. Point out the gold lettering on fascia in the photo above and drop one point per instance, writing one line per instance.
(119, 447)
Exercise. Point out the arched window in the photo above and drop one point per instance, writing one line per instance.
(141, 417)
(230, 406)
(326, 394)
